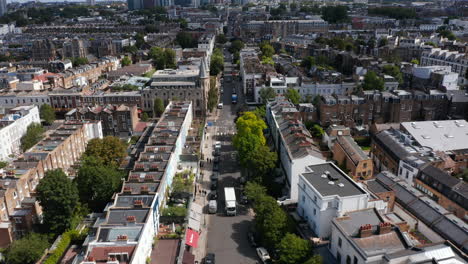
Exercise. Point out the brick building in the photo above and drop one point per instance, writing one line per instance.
(117, 120)
(350, 156)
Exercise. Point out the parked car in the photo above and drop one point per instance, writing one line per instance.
(217, 159)
(251, 238)
(214, 176)
(212, 207)
(263, 254)
(243, 199)
(215, 166)
(210, 258)
(220, 106)
(213, 195)
(217, 145)
(214, 185)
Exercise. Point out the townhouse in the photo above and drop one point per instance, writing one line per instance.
(126, 230)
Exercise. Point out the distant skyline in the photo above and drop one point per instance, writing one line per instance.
(60, 1)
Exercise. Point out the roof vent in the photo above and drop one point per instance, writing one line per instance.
(327, 172)
(323, 176)
(331, 182)
(341, 185)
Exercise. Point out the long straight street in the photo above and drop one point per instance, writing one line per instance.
(227, 235)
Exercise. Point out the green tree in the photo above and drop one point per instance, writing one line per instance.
(221, 39)
(266, 49)
(260, 161)
(108, 151)
(130, 49)
(27, 250)
(270, 220)
(144, 117)
(126, 61)
(294, 249)
(308, 62)
(212, 95)
(446, 33)
(217, 62)
(315, 259)
(78, 61)
(335, 14)
(317, 131)
(140, 40)
(293, 95)
(383, 42)
(372, 82)
(97, 183)
(47, 113)
(158, 107)
(236, 46)
(59, 198)
(267, 93)
(268, 60)
(254, 191)
(393, 71)
(34, 134)
(186, 40)
(3, 164)
(162, 58)
(415, 61)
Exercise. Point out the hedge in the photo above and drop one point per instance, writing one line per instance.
(63, 245)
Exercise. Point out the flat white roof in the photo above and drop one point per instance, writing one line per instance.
(439, 135)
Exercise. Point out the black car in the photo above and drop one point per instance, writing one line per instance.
(210, 258)
(214, 185)
(251, 238)
(214, 176)
(213, 195)
(216, 159)
(215, 167)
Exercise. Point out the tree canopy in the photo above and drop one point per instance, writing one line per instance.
(126, 61)
(186, 40)
(108, 151)
(293, 95)
(78, 61)
(393, 12)
(267, 93)
(372, 82)
(270, 220)
(47, 113)
(217, 62)
(294, 249)
(266, 49)
(315, 259)
(221, 39)
(59, 198)
(97, 183)
(27, 250)
(394, 71)
(236, 46)
(335, 14)
(162, 58)
(34, 134)
(158, 107)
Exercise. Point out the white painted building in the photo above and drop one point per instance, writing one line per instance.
(458, 61)
(326, 192)
(293, 142)
(444, 75)
(14, 126)
(14, 99)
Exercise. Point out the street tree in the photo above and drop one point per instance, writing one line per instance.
(97, 183)
(34, 133)
(394, 71)
(266, 49)
(217, 62)
(260, 161)
(270, 220)
(186, 40)
(47, 113)
(249, 123)
(415, 61)
(162, 58)
(126, 61)
(315, 259)
(59, 198)
(308, 62)
(317, 131)
(293, 249)
(267, 93)
(109, 151)
(293, 95)
(372, 82)
(253, 191)
(27, 250)
(158, 107)
(221, 39)
(236, 46)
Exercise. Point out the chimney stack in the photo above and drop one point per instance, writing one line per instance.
(138, 203)
(385, 228)
(131, 219)
(365, 230)
(122, 238)
(127, 190)
(144, 189)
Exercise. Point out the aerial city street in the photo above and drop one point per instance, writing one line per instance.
(233, 132)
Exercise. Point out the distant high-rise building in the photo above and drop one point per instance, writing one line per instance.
(134, 4)
(91, 2)
(3, 7)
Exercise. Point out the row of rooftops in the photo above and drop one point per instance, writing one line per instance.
(295, 135)
(424, 208)
(124, 219)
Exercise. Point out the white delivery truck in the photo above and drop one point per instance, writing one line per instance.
(230, 196)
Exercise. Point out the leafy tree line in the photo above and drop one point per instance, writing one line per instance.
(34, 133)
(276, 230)
(393, 12)
(162, 58)
(217, 62)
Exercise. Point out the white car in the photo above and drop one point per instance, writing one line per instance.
(218, 145)
(263, 254)
(220, 106)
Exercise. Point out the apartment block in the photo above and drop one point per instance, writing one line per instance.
(126, 230)
(281, 28)
(13, 126)
(456, 60)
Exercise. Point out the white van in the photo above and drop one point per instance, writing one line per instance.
(212, 207)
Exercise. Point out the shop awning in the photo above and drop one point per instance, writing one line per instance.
(191, 238)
